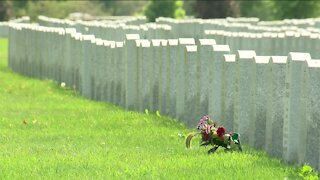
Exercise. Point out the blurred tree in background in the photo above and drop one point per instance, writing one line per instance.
(263, 9)
(179, 13)
(293, 9)
(165, 8)
(217, 9)
(122, 7)
(5, 10)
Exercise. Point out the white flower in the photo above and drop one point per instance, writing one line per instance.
(63, 84)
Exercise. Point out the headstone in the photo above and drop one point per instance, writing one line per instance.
(205, 51)
(191, 88)
(120, 90)
(244, 101)
(86, 66)
(156, 56)
(131, 71)
(294, 131)
(261, 99)
(180, 83)
(215, 81)
(163, 81)
(228, 91)
(313, 114)
(145, 88)
(172, 76)
(274, 124)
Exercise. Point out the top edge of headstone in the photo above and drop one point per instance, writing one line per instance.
(219, 47)
(205, 42)
(314, 36)
(191, 48)
(156, 42)
(279, 59)
(143, 43)
(98, 41)
(164, 42)
(246, 54)
(313, 63)
(106, 43)
(229, 58)
(112, 44)
(173, 42)
(119, 44)
(262, 59)
(299, 56)
(187, 41)
(70, 30)
(88, 37)
(132, 36)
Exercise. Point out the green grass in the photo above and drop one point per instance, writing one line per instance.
(69, 137)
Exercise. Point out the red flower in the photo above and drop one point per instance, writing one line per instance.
(221, 131)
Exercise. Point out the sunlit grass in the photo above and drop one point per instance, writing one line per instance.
(47, 131)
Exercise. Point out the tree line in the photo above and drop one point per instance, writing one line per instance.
(263, 9)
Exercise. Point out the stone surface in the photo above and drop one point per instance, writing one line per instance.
(215, 81)
(180, 71)
(313, 115)
(244, 98)
(274, 124)
(262, 81)
(191, 88)
(295, 119)
(228, 91)
(172, 85)
(131, 71)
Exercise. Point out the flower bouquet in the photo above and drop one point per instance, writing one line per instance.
(214, 135)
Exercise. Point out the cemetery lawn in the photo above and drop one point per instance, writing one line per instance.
(49, 132)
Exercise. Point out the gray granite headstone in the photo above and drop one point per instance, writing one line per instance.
(205, 51)
(145, 87)
(131, 71)
(244, 101)
(215, 81)
(156, 56)
(228, 91)
(274, 124)
(172, 76)
(180, 83)
(120, 90)
(262, 102)
(191, 88)
(86, 66)
(163, 81)
(313, 114)
(294, 131)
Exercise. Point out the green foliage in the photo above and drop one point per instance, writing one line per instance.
(158, 113)
(166, 8)
(179, 13)
(216, 9)
(49, 132)
(121, 8)
(296, 9)
(5, 10)
(61, 9)
(263, 10)
(307, 173)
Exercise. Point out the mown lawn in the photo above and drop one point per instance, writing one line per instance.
(48, 132)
